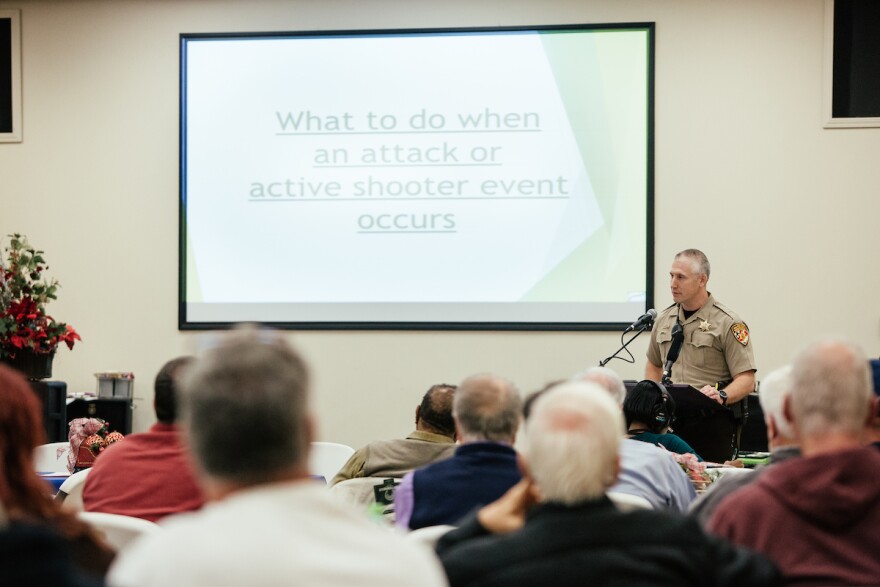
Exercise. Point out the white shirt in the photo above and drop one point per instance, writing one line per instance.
(290, 533)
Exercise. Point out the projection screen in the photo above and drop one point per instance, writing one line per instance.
(418, 179)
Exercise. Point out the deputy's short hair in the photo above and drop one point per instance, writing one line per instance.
(699, 260)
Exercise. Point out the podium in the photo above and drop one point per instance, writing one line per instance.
(703, 423)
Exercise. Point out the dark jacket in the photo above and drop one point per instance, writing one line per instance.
(595, 544)
(36, 555)
(446, 491)
(704, 507)
(817, 517)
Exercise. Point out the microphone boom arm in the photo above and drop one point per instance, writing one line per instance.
(605, 361)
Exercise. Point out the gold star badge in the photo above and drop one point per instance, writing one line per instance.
(704, 326)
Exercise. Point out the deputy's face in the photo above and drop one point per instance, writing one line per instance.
(686, 284)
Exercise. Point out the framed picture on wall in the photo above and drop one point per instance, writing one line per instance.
(10, 76)
(851, 92)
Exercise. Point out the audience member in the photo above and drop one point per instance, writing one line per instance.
(32, 556)
(780, 439)
(149, 475)
(645, 470)
(874, 428)
(25, 496)
(557, 527)
(650, 412)
(246, 416)
(432, 440)
(487, 412)
(818, 516)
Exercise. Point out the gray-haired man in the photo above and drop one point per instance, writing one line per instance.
(246, 415)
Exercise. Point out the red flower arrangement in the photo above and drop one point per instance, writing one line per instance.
(24, 293)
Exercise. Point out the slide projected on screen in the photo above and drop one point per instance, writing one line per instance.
(417, 179)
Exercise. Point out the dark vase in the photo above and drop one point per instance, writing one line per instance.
(33, 365)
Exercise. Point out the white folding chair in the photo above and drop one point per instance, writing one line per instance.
(361, 493)
(725, 471)
(71, 492)
(429, 535)
(48, 458)
(627, 503)
(327, 458)
(118, 530)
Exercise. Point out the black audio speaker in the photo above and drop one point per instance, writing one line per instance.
(53, 396)
(754, 431)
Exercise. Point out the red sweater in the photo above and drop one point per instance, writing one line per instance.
(817, 518)
(146, 475)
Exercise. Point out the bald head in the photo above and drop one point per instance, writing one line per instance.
(605, 378)
(572, 441)
(487, 407)
(831, 390)
(775, 387)
(434, 414)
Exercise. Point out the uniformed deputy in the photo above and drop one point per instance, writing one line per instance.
(716, 356)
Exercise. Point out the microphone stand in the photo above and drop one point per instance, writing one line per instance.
(645, 327)
(667, 374)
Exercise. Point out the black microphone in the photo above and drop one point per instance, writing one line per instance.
(674, 351)
(645, 319)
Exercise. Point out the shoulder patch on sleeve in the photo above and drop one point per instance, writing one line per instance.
(740, 333)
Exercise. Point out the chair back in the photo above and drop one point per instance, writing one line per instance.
(71, 492)
(627, 503)
(116, 529)
(361, 493)
(429, 535)
(327, 458)
(731, 471)
(48, 460)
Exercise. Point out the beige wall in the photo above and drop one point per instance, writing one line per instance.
(786, 210)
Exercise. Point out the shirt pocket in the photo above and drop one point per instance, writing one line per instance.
(703, 344)
(664, 337)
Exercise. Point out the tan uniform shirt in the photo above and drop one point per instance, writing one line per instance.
(716, 345)
(395, 458)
